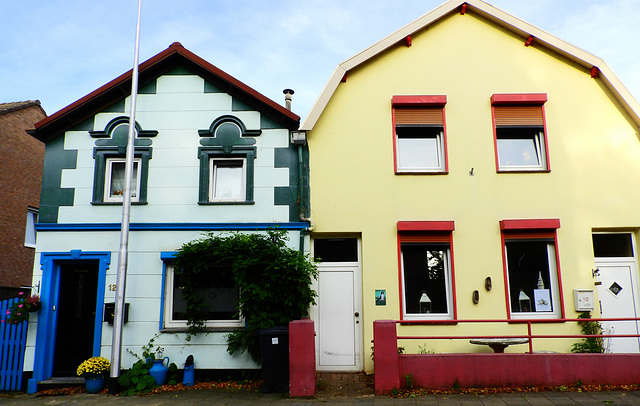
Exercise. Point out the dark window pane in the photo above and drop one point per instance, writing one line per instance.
(335, 249)
(424, 273)
(528, 266)
(612, 245)
(216, 289)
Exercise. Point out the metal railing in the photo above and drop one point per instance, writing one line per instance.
(529, 335)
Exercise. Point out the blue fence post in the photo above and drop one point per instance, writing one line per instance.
(13, 340)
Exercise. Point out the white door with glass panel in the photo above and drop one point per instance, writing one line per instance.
(337, 315)
(617, 289)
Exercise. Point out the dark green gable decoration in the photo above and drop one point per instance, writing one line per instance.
(52, 195)
(112, 143)
(227, 137)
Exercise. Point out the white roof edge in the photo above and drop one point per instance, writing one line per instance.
(322, 101)
(497, 16)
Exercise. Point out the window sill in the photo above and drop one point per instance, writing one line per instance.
(206, 330)
(429, 322)
(422, 172)
(225, 203)
(524, 170)
(117, 203)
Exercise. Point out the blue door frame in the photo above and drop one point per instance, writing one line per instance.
(50, 263)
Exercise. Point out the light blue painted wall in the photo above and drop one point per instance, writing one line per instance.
(177, 111)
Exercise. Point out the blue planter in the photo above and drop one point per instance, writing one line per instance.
(158, 371)
(94, 384)
(189, 376)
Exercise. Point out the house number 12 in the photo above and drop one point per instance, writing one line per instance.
(112, 287)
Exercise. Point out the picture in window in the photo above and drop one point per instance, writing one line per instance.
(115, 179)
(532, 275)
(426, 274)
(520, 148)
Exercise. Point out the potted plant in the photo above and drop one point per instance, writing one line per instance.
(94, 371)
(19, 310)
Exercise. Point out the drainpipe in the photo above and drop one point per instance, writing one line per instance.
(299, 138)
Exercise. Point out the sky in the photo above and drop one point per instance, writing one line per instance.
(57, 51)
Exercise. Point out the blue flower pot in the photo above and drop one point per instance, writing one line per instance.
(158, 371)
(94, 384)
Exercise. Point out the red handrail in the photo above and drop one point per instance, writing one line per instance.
(529, 334)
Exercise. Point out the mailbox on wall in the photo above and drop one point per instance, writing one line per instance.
(109, 310)
(583, 299)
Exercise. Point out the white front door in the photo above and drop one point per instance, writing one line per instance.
(337, 314)
(619, 298)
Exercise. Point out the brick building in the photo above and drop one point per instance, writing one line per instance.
(20, 175)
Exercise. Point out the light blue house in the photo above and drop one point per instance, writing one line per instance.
(211, 155)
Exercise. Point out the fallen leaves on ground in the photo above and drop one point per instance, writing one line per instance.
(406, 393)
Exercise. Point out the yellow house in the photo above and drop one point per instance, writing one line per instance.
(471, 166)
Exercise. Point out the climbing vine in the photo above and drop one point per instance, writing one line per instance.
(273, 280)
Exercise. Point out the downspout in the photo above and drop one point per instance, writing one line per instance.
(301, 199)
(300, 139)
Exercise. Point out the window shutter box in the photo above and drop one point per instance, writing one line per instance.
(417, 116)
(518, 115)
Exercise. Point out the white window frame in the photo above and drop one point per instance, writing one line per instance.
(30, 234)
(448, 287)
(168, 320)
(212, 179)
(553, 280)
(539, 145)
(137, 162)
(439, 137)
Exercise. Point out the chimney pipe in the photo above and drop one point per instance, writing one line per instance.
(287, 97)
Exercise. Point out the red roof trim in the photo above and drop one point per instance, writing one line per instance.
(426, 226)
(519, 98)
(175, 48)
(408, 101)
(535, 224)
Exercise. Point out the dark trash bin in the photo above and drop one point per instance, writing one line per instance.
(274, 346)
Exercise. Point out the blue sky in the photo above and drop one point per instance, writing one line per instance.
(57, 51)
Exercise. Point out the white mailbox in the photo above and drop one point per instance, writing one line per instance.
(583, 299)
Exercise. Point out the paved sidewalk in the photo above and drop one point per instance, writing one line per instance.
(230, 397)
(333, 389)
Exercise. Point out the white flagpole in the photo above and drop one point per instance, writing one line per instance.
(121, 278)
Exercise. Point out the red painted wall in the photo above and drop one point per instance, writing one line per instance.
(494, 370)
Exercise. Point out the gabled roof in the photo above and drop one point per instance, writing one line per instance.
(497, 16)
(14, 106)
(174, 56)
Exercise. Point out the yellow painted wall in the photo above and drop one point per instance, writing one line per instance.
(594, 155)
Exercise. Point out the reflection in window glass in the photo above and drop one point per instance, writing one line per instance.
(426, 274)
(532, 275)
(419, 148)
(520, 148)
(218, 293)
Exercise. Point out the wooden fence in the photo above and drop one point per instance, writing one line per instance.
(13, 340)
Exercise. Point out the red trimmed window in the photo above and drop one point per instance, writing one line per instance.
(425, 259)
(519, 132)
(419, 134)
(531, 269)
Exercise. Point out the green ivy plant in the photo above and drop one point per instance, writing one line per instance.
(274, 282)
(589, 327)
